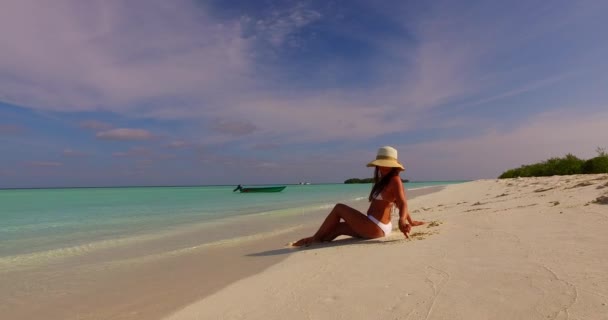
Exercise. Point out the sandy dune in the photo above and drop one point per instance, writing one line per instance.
(527, 248)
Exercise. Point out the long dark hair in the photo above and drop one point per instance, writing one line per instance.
(381, 182)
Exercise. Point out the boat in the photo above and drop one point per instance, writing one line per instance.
(259, 189)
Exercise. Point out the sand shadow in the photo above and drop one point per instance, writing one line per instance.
(335, 243)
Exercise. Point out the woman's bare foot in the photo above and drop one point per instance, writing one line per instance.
(303, 242)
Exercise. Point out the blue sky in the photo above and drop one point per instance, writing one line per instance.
(102, 93)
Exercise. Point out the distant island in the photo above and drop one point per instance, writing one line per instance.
(366, 180)
(567, 165)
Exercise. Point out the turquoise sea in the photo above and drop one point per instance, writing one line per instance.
(37, 225)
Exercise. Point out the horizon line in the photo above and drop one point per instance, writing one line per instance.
(201, 185)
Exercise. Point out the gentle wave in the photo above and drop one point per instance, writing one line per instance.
(225, 242)
(32, 260)
(427, 187)
(10, 263)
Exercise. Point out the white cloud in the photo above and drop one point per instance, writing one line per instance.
(75, 55)
(477, 54)
(279, 25)
(322, 118)
(173, 60)
(125, 134)
(486, 156)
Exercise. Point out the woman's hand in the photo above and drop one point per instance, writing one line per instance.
(417, 223)
(405, 228)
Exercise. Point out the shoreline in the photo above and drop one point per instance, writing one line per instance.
(272, 250)
(131, 284)
(529, 248)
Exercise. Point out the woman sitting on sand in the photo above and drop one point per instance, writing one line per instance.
(386, 193)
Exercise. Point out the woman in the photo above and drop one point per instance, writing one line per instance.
(386, 194)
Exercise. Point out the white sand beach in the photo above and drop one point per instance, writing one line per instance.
(526, 248)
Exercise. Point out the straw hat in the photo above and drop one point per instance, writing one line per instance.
(386, 157)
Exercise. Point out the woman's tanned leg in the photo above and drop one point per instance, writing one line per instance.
(342, 229)
(358, 225)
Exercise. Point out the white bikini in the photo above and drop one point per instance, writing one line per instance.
(387, 228)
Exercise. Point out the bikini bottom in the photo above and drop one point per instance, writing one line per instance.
(387, 228)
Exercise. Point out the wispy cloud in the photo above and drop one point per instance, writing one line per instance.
(552, 134)
(265, 146)
(166, 156)
(299, 76)
(95, 125)
(125, 134)
(115, 56)
(143, 164)
(43, 164)
(134, 152)
(267, 165)
(322, 118)
(178, 144)
(11, 129)
(6, 173)
(143, 155)
(233, 127)
(279, 25)
(520, 89)
(176, 61)
(471, 55)
(74, 153)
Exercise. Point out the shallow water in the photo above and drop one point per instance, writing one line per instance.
(40, 225)
(141, 253)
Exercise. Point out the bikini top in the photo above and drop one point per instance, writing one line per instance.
(393, 204)
(379, 196)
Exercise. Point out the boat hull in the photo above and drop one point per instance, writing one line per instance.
(261, 189)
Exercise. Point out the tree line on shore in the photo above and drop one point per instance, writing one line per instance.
(569, 164)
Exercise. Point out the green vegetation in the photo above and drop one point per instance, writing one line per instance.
(365, 180)
(569, 164)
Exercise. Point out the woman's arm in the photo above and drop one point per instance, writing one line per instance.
(400, 200)
(405, 219)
